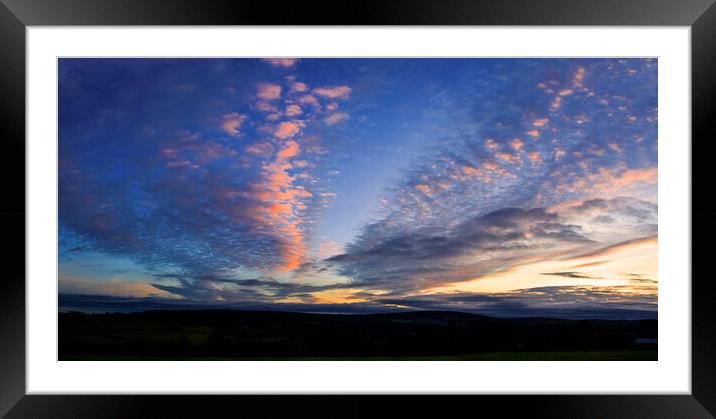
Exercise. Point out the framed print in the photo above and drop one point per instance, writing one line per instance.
(492, 200)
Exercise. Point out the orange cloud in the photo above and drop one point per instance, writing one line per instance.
(566, 92)
(337, 92)
(291, 150)
(474, 172)
(279, 207)
(505, 156)
(533, 133)
(268, 91)
(534, 157)
(540, 122)
(516, 144)
(339, 296)
(232, 122)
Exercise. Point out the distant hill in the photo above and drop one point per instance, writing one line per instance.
(106, 303)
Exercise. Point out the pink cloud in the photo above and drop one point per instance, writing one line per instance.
(299, 87)
(182, 164)
(293, 110)
(265, 129)
(540, 122)
(336, 118)
(259, 149)
(266, 107)
(268, 91)
(309, 100)
(614, 180)
(490, 143)
(287, 129)
(336, 92)
(291, 150)
(533, 133)
(425, 189)
(232, 122)
(281, 62)
(471, 170)
(578, 77)
(556, 104)
(558, 153)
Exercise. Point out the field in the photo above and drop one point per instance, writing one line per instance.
(437, 336)
(604, 355)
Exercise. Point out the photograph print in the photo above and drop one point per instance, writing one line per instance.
(378, 209)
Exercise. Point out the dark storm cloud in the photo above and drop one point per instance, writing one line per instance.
(558, 301)
(504, 235)
(571, 275)
(220, 288)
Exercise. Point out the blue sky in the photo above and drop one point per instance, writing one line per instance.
(359, 185)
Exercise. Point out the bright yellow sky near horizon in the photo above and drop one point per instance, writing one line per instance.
(620, 265)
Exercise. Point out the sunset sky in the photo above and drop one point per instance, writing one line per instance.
(506, 187)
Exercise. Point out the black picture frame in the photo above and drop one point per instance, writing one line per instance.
(16, 15)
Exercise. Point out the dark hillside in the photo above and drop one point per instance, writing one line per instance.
(235, 334)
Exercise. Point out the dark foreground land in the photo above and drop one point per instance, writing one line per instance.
(247, 335)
